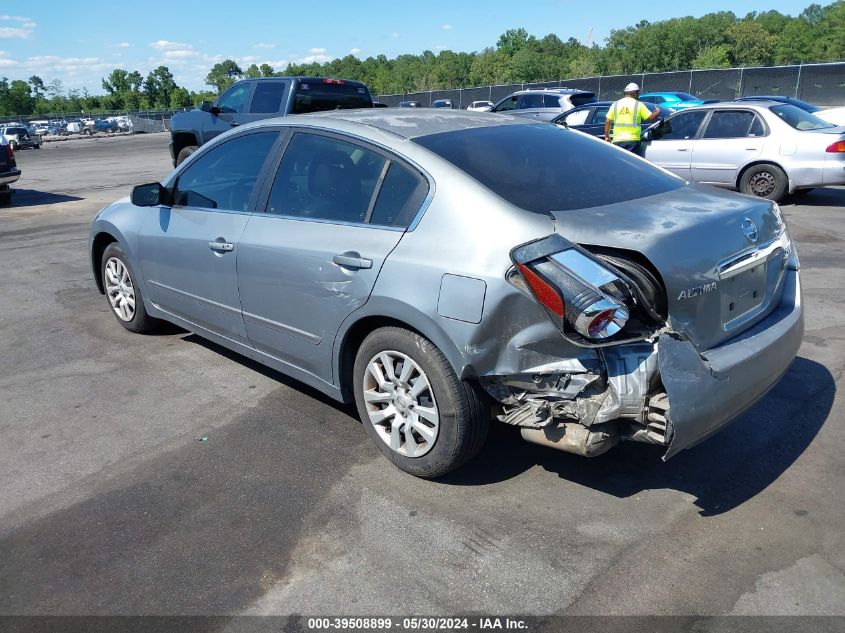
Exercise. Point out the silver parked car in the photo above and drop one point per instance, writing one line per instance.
(543, 104)
(766, 149)
(434, 266)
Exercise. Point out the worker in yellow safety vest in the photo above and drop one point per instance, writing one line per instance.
(626, 115)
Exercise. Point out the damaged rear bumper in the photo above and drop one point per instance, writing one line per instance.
(707, 391)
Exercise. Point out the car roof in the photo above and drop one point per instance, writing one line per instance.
(411, 123)
(733, 105)
(353, 82)
(560, 91)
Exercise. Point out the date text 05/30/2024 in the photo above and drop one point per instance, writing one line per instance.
(416, 624)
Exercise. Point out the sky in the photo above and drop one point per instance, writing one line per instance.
(80, 42)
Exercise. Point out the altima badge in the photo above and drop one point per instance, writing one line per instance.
(697, 291)
(749, 230)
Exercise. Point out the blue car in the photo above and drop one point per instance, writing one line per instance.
(674, 100)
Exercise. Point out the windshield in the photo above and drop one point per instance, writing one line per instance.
(544, 168)
(799, 119)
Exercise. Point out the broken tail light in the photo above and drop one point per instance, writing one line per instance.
(582, 296)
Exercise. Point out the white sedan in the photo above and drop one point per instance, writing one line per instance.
(480, 106)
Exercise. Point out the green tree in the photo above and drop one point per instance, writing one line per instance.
(750, 44)
(253, 72)
(180, 98)
(512, 40)
(158, 87)
(712, 57)
(223, 74)
(266, 70)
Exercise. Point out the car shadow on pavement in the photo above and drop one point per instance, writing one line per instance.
(32, 198)
(287, 381)
(821, 197)
(722, 473)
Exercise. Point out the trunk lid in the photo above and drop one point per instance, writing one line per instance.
(719, 280)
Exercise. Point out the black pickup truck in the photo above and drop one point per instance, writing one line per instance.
(9, 172)
(253, 99)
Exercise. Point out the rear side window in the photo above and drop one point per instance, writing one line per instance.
(324, 178)
(551, 101)
(544, 168)
(318, 96)
(798, 118)
(267, 97)
(579, 117)
(582, 98)
(730, 125)
(224, 177)
(401, 196)
(531, 101)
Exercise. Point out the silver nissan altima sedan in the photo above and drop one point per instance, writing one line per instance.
(445, 268)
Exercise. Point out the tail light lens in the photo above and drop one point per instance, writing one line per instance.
(10, 153)
(579, 294)
(836, 148)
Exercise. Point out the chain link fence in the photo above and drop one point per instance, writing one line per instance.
(821, 84)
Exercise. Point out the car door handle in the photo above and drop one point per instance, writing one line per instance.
(352, 262)
(234, 123)
(221, 247)
(683, 149)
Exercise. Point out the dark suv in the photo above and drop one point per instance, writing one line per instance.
(254, 99)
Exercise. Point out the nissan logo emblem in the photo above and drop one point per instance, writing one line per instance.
(749, 230)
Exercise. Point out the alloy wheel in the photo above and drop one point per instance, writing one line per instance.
(119, 289)
(400, 404)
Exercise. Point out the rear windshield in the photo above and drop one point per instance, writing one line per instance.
(316, 97)
(582, 98)
(543, 168)
(798, 118)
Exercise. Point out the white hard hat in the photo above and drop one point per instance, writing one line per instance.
(632, 87)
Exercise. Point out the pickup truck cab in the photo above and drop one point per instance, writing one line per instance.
(253, 99)
(9, 172)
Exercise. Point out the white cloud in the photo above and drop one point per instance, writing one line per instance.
(7, 62)
(264, 46)
(167, 45)
(122, 45)
(21, 31)
(446, 27)
(183, 53)
(354, 51)
(317, 51)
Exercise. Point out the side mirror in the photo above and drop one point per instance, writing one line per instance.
(150, 195)
(206, 105)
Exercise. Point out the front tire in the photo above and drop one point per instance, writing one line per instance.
(764, 181)
(183, 154)
(423, 418)
(123, 294)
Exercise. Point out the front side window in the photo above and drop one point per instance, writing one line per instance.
(224, 177)
(681, 126)
(731, 125)
(507, 104)
(323, 178)
(267, 98)
(235, 100)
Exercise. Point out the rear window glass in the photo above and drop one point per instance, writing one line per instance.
(685, 96)
(544, 168)
(799, 119)
(582, 98)
(267, 97)
(316, 97)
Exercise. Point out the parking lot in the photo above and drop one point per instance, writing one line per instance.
(109, 504)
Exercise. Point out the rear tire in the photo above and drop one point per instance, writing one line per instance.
(122, 292)
(183, 154)
(455, 424)
(764, 181)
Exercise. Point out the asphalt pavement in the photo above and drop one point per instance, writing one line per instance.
(109, 504)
